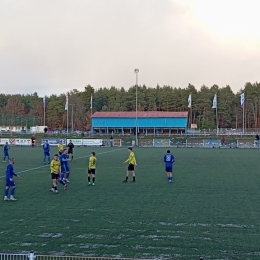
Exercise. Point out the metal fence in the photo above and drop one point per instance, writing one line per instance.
(32, 256)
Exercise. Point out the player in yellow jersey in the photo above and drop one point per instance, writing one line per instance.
(55, 174)
(131, 166)
(92, 168)
(60, 147)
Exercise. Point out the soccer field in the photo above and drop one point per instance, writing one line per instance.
(211, 209)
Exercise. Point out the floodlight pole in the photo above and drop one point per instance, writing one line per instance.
(136, 108)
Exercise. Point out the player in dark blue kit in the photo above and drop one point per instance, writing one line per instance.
(169, 160)
(64, 158)
(9, 180)
(46, 151)
(6, 154)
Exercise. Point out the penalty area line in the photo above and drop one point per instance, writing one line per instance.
(36, 168)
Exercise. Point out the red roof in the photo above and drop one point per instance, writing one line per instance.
(149, 114)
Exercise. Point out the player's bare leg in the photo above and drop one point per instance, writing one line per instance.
(126, 177)
(133, 173)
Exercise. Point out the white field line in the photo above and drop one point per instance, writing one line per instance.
(36, 168)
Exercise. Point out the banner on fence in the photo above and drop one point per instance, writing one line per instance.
(76, 142)
(22, 142)
(161, 142)
(92, 142)
(53, 141)
(4, 140)
(245, 143)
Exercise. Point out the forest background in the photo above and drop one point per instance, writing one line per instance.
(165, 98)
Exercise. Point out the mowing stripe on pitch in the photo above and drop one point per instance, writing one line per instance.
(36, 168)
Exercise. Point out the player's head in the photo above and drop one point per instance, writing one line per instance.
(56, 157)
(61, 141)
(65, 151)
(93, 153)
(168, 151)
(130, 149)
(46, 141)
(6, 143)
(70, 141)
(12, 160)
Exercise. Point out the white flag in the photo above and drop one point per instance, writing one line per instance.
(189, 100)
(214, 105)
(91, 101)
(242, 100)
(67, 102)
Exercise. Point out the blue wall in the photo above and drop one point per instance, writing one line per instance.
(180, 122)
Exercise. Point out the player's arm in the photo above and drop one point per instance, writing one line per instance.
(90, 163)
(15, 174)
(135, 163)
(172, 159)
(129, 158)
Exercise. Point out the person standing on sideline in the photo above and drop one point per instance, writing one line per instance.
(169, 160)
(131, 166)
(92, 168)
(55, 174)
(9, 180)
(111, 141)
(65, 170)
(223, 140)
(33, 140)
(6, 153)
(70, 150)
(46, 151)
(257, 140)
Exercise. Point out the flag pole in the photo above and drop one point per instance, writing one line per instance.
(243, 119)
(44, 105)
(190, 113)
(44, 116)
(217, 112)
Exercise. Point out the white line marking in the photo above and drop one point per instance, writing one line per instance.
(36, 168)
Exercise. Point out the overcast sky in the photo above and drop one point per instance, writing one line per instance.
(53, 46)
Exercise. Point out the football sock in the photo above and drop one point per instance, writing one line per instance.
(55, 188)
(12, 191)
(133, 178)
(89, 179)
(126, 178)
(93, 179)
(44, 158)
(67, 175)
(62, 176)
(72, 157)
(6, 192)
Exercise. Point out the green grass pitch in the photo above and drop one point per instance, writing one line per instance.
(211, 209)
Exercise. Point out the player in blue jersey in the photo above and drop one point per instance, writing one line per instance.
(46, 152)
(6, 153)
(9, 180)
(169, 160)
(65, 170)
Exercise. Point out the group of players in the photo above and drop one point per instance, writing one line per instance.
(60, 170)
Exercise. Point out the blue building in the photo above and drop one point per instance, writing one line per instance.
(148, 122)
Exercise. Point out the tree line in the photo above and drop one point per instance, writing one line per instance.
(160, 98)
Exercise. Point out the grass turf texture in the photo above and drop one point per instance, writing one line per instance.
(211, 210)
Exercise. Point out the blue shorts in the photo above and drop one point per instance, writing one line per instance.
(10, 183)
(46, 153)
(168, 169)
(6, 154)
(65, 168)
